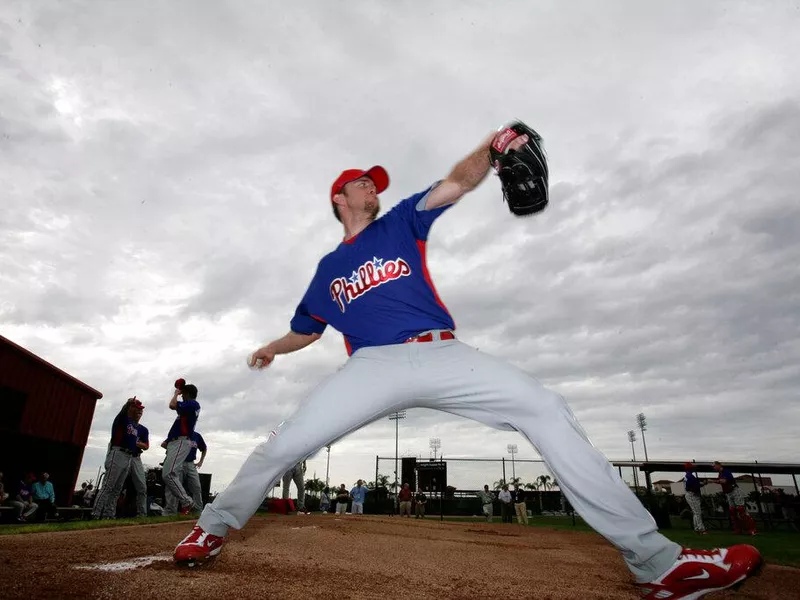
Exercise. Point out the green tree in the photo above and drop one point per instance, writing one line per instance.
(498, 485)
(314, 486)
(544, 484)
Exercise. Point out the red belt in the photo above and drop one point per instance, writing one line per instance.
(428, 337)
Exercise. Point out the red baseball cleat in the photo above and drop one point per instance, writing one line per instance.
(185, 510)
(197, 548)
(700, 572)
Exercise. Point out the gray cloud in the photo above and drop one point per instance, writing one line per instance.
(164, 183)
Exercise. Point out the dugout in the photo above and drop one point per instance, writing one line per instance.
(45, 417)
(756, 470)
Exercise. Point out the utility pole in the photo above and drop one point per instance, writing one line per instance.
(641, 421)
(512, 449)
(328, 466)
(401, 414)
(631, 439)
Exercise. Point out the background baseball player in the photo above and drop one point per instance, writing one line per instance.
(296, 474)
(740, 520)
(137, 468)
(358, 494)
(179, 445)
(191, 478)
(693, 495)
(118, 459)
(375, 288)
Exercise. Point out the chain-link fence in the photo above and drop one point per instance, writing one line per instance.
(452, 485)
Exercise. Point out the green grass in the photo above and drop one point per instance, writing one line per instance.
(79, 525)
(777, 547)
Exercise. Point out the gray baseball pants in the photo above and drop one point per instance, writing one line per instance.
(693, 500)
(118, 464)
(294, 474)
(191, 479)
(172, 471)
(453, 377)
(140, 485)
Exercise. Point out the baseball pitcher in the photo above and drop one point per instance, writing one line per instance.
(375, 288)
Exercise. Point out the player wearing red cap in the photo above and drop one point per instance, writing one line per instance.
(121, 449)
(375, 289)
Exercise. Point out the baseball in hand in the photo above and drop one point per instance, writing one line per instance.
(254, 363)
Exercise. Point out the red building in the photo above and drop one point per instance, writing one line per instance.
(45, 417)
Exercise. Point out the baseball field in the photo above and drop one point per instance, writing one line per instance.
(353, 557)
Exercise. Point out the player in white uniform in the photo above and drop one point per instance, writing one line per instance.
(375, 289)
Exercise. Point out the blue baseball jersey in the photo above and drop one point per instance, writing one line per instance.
(123, 432)
(692, 483)
(375, 288)
(197, 442)
(729, 481)
(188, 411)
(143, 435)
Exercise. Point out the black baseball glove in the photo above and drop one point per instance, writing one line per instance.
(523, 172)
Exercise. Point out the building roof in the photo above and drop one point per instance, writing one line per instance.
(675, 466)
(5, 341)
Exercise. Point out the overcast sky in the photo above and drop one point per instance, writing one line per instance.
(164, 170)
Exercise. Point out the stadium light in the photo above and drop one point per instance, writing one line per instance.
(631, 439)
(435, 444)
(400, 414)
(641, 421)
(512, 449)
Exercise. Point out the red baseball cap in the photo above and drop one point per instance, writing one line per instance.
(136, 402)
(377, 173)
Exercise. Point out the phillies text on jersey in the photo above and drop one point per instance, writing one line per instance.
(375, 287)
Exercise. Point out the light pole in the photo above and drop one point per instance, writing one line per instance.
(631, 439)
(400, 414)
(512, 449)
(641, 421)
(328, 466)
(435, 444)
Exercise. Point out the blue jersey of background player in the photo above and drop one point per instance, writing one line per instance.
(197, 442)
(124, 432)
(726, 479)
(188, 410)
(375, 287)
(692, 483)
(143, 435)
